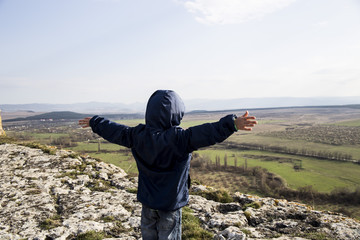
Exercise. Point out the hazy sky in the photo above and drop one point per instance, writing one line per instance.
(67, 51)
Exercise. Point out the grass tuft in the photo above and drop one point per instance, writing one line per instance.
(132, 190)
(255, 205)
(191, 228)
(50, 223)
(219, 195)
(91, 235)
(247, 215)
(108, 219)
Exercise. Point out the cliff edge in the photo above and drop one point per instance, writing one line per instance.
(62, 195)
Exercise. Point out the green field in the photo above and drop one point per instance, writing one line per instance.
(352, 123)
(131, 122)
(308, 131)
(86, 147)
(109, 153)
(323, 175)
(244, 138)
(127, 163)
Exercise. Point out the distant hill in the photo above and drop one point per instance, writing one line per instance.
(271, 102)
(92, 107)
(68, 115)
(353, 106)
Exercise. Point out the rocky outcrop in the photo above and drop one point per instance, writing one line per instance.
(63, 195)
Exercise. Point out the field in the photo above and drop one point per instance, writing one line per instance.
(303, 147)
(303, 130)
(323, 175)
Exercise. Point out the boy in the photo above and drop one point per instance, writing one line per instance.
(162, 151)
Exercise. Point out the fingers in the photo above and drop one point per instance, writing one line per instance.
(251, 117)
(85, 122)
(251, 122)
(246, 116)
(247, 126)
(245, 122)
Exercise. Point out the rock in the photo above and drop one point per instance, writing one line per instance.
(58, 197)
(232, 233)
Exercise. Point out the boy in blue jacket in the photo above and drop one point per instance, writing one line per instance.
(162, 151)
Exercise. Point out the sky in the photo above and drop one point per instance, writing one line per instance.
(72, 51)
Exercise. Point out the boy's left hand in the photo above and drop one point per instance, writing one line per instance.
(84, 123)
(244, 122)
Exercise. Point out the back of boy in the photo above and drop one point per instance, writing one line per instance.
(162, 151)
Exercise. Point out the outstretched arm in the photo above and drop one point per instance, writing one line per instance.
(111, 131)
(245, 122)
(211, 133)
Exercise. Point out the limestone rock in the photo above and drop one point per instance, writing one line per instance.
(60, 196)
(57, 196)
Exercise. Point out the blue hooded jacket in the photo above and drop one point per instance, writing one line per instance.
(162, 149)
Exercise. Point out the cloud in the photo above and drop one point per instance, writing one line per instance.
(232, 11)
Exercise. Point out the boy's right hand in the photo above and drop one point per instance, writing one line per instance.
(244, 122)
(84, 123)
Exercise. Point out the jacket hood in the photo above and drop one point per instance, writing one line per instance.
(164, 109)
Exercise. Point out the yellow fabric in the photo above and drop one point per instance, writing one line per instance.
(2, 132)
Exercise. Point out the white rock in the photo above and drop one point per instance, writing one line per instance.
(232, 233)
(34, 188)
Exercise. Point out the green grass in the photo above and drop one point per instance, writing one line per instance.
(248, 138)
(352, 123)
(50, 223)
(93, 147)
(190, 123)
(110, 153)
(41, 136)
(191, 227)
(218, 195)
(128, 165)
(131, 122)
(323, 175)
(91, 235)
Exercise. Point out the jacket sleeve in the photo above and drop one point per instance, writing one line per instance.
(111, 131)
(209, 133)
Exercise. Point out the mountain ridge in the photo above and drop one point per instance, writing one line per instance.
(69, 115)
(191, 104)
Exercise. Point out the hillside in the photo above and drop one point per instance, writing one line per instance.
(68, 115)
(56, 194)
